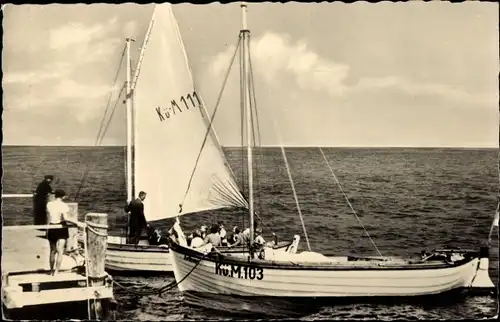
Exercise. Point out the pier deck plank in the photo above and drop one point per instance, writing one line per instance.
(24, 251)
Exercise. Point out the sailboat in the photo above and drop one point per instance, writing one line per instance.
(263, 272)
(166, 130)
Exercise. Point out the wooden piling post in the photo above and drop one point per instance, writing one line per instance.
(97, 235)
(72, 241)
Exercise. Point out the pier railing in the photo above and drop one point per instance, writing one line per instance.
(18, 195)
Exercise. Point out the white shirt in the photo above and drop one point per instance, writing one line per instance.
(197, 242)
(260, 240)
(222, 233)
(57, 210)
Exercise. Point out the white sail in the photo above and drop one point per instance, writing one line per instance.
(171, 129)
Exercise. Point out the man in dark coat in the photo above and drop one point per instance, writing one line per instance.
(42, 193)
(137, 220)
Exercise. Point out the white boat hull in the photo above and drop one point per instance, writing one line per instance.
(342, 279)
(143, 258)
(137, 259)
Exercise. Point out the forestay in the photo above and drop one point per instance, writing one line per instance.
(171, 128)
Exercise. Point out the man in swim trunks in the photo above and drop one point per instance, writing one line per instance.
(57, 212)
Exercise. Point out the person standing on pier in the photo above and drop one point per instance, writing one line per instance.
(137, 220)
(40, 200)
(58, 214)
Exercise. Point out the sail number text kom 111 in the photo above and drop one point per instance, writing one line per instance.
(185, 103)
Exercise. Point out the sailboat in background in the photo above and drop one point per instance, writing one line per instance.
(263, 272)
(176, 157)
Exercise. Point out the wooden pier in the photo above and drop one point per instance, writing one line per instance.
(28, 285)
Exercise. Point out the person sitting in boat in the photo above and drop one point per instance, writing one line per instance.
(246, 234)
(203, 231)
(58, 214)
(155, 236)
(137, 220)
(189, 238)
(259, 239)
(213, 237)
(222, 234)
(197, 241)
(235, 238)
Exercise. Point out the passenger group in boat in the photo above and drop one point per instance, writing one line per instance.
(41, 198)
(137, 220)
(58, 214)
(217, 236)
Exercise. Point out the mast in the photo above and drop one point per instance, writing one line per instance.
(246, 103)
(130, 192)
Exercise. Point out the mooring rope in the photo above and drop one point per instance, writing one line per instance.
(165, 288)
(348, 202)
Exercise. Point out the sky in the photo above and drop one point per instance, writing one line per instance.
(331, 74)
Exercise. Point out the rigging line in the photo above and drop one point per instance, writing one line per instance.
(103, 117)
(295, 194)
(112, 113)
(292, 184)
(99, 141)
(348, 202)
(211, 121)
(242, 120)
(111, 92)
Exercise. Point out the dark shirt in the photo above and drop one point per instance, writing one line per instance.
(136, 210)
(42, 191)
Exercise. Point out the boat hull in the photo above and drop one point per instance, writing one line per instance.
(218, 274)
(127, 258)
(144, 259)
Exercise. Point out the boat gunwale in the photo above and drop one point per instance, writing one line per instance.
(220, 258)
(159, 249)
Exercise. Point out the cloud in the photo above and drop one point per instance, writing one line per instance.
(413, 88)
(82, 44)
(277, 60)
(304, 90)
(57, 70)
(130, 29)
(274, 56)
(63, 74)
